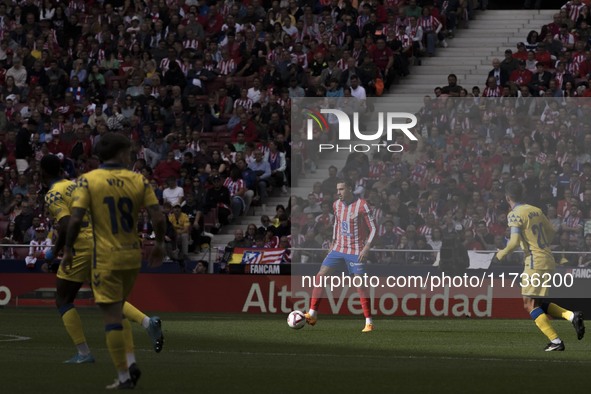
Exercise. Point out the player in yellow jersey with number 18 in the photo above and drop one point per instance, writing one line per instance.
(58, 201)
(113, 196)
(531, 230)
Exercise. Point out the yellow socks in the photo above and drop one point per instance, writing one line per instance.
(133, 314)
(116, 345)
(543, 323)
(72, 323)
(559, 312)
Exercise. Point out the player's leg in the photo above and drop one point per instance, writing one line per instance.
(153, 325)
(532, 306)
(111, 288)
(557, 312)
(327, 267)
(116, 343)
(66, 292)
(134, 371)
(358, 269)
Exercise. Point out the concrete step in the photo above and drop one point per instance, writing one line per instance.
(463, 49)
(508, 23)
(428, 69)
(447, 63)
(480, 34)
(437, 80)
(515, 14)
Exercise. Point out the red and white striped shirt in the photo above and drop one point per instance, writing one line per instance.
(300, 59)
(193, 44)
(234, 186)
(164, 64)
(354, 226)
(376, 169)
(495, 92)
(573, 10)
(342, 64)
(244, 103)
(226, 67)
(429, 23)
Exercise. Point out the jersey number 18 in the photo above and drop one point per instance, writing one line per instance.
(123, 206)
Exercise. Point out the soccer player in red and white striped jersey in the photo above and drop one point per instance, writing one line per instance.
(353, 232)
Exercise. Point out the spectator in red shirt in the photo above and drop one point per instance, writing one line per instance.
(521, 53)
(521, 76)
(383, 58)
(56, 145)
(248, 127)
(167, 169)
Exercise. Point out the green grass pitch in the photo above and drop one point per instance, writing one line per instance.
(260, 354)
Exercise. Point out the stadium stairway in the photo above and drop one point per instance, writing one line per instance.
(469, 54)
(254, 215)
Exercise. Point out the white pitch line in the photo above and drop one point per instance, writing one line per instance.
(13, 338)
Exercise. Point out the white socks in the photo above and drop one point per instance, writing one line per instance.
(130, 358)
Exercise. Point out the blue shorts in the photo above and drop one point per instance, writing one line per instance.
(334, 259)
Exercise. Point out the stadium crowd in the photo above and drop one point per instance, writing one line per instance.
(204, 89)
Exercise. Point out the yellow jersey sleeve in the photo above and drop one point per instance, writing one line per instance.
(515, 219)
(81, 194)
(58, 199)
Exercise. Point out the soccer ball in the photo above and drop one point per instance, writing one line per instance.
(296, 320)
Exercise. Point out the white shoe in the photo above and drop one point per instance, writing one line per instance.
(284, 190)
(444, 43)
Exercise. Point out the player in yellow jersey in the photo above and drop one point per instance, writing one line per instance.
(113, 196)
(531, 230)
(58, 201)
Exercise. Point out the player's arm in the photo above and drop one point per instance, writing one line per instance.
(549, 230)
(372, 232)
(334, 227)
(80, 204)
(159, 225)
(61, 237)
(158, 222)
(511, 245)
(74, 226)
(60, 212)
